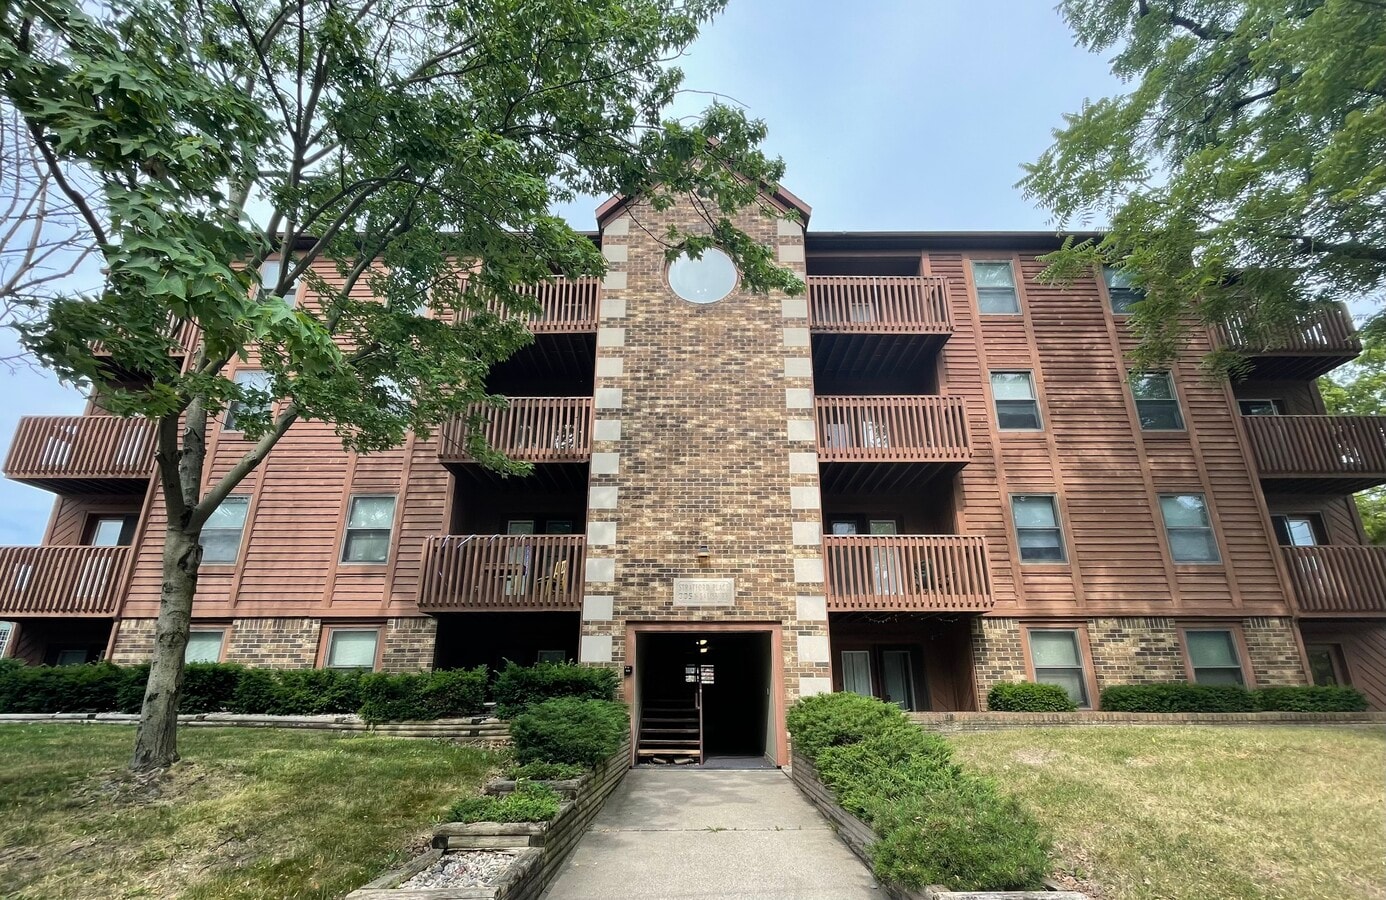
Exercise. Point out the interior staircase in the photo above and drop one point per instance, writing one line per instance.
(669, 732)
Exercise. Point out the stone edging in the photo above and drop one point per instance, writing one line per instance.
(540, 847)
(997, 721)
(477, 729)
(858, 836)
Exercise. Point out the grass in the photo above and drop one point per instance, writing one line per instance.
(1202, 812)
(248, 813)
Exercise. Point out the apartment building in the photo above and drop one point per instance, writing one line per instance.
(929, 474)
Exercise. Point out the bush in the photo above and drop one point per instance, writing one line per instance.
(257, 693)
(1023, 696)
(529, 802)
(1178, 697)
(569, 730)
(313, 692)
(207, 687)
(826, 720)
(130, 695)
(1311, 699)
(438, 695)
(935, 823)
(93, 687)
(519, 687)
(544, 771)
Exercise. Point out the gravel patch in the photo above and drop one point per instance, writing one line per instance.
(464, 868)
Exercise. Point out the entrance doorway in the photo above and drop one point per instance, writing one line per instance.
(705, 697)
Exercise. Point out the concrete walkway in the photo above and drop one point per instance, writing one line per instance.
(689, 834)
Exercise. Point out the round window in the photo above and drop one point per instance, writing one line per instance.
(706, 279)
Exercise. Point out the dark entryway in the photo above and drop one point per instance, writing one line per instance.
(704, 697)
(470, 639)
(60, 642)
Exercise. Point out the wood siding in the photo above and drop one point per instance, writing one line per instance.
(1364, 652)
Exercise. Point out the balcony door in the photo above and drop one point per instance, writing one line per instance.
(897, 678)
(887, 570)
(517, 576)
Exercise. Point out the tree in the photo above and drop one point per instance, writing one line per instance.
(415, 145)
(1359, 389)
(1241, 175)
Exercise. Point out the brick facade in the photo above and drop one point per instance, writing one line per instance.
(997, 654)
(408, 644)
(274, 643)
(134, 642)
(1135, 651)
(1273, 652)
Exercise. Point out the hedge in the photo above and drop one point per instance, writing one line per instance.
(529, 802)
(519, 687)
(1024, 696)
(569, 730)
(1181, 697)
(935, 823)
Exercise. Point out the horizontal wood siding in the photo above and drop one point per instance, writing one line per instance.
(1338, 580)
(892, 429)
(914, 573)
(53, 580)
(878, 304)
(531, 429)
(81, 447)
(502, 572)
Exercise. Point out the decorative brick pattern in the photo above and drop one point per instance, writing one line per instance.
(275, 643)
(408, 644)
(996, 654)
(134, 642)
(1273, 652)
(1135, 651)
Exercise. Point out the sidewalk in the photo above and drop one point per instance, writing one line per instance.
(690, 834)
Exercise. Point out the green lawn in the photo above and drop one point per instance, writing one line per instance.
(1203, 812)
(248, 813)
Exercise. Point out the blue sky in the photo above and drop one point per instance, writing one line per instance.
(904, 115)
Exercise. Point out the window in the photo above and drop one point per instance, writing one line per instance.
(249, 380)
(204, 647)
(996, 294)
(1016, 406)
(352, 648)
(553, 656)
(1037, 528)
(110, 531)
(1057, 660)
(1189, 528)
(221, 536)
(270, 272)
(6, 629)
(1123, 294)
(369, 523)
(856, 672)
(71, 656)
(1268, 407)
(1213, 657)
(1157, 406)
(1325, 664)
(1302, 530)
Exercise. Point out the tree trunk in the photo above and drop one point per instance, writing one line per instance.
(156, 743)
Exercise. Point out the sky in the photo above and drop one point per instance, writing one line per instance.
(889, 114)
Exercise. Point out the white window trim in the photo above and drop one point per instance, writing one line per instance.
(1057, 526)
(347, 529)
(977, 290)
(240, 543)
(1035, 398)
(334, 630)
(1210, 528)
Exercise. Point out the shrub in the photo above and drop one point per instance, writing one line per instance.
(93, 687)
(935, 823)
(1311, 699)
(826, 720)
(257, 692)
(544, 771)
(394, 698)
(207, 687)
(312, 692)
(1178, 697)
(1024, 696)
(529, 802)
(569, 730)
(519, 687)
(130, 695)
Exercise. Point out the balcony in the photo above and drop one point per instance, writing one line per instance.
(83, 454)
(184, 334)
(555, 433)
(873, 325)
(1338, 581)
(907, 573)
(1319, 454)
(1317, 344)
(61, 581)
(567, 305)
(502, 572)
(916, 437)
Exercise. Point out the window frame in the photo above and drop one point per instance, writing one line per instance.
(1079, 630)
(1058, 526)
(228, 415)
(1107, 271)
(8, 629)
(1238, 647)
(1275, 403)
(1034, 399)
(290, 298)
(1316, 524)
(240, 544)
(1337, 660)
(1211, 528)
(977, 289)
(347, 530)
(223, 630)
(330, 631)
(1173, 398)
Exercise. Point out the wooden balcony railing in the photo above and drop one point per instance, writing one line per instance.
(879, 304)
(1345, 580)
(78, 581)
(892, 429)
(1346, 447)
(1327, 331)
(567, 305)
(531, 429)
(907, 573)
(184, 334)
(55, 449)
(502, 572)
